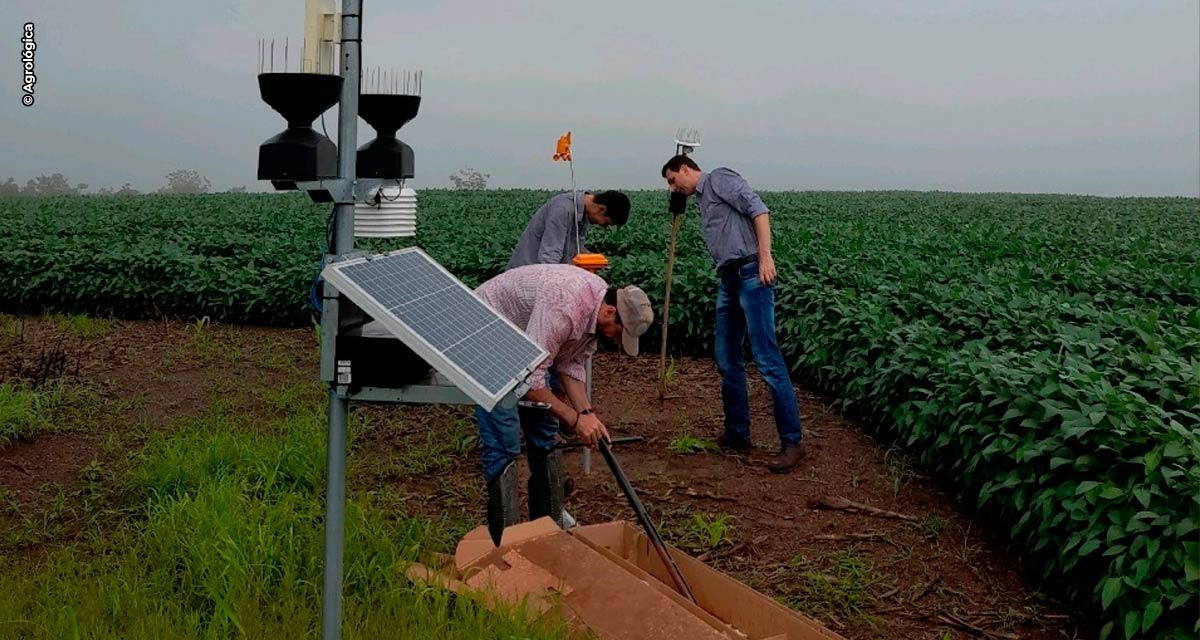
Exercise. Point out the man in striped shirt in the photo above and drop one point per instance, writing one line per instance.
(565, 310)
(554, 235)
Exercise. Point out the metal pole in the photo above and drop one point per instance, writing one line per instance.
(335, 512)
(587, 453)
(343, 242)
(351, 54)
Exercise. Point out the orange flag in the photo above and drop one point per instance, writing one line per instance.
(564, 147)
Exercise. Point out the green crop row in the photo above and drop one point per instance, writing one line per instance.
(1040, 353)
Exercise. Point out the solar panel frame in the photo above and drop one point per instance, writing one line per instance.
(335, 274)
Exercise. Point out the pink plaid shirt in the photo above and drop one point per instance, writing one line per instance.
(557, 306)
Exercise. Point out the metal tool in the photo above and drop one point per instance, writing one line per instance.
(580, 445)
(644, 519)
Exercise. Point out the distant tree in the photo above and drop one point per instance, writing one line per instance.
(468, 178)
(52, 185)
(241, 189)
(125, 190)
(186, 181)
(9, 188)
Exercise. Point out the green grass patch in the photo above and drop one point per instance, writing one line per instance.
(687, 444)
(26, 412)
(434, 450)
(226, 541)
(83, 326)
(23, 412)
(838, 585)
(10, 326)
(707, 531)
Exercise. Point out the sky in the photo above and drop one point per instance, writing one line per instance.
(1094, 97)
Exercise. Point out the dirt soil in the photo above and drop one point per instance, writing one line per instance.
(929, 570)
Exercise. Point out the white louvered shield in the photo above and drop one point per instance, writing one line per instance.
(391, 212)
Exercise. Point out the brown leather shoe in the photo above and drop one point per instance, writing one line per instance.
(787, 459)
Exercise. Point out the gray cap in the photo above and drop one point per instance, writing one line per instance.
(633, 307)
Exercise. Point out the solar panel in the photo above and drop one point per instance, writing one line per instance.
(440, 319)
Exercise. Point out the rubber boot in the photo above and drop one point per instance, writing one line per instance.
(546, 485)
(503, 508)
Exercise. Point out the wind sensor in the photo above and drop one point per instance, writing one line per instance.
(686, 141)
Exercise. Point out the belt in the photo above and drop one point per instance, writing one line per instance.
(737, 264)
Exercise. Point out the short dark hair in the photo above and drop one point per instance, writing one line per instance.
(610, 298)
(674, 164)
(616, 205)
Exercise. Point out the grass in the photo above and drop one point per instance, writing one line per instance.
(669, 374)
(83, 326)
(284, 400)
(26, 412)
(899, 470)
(209, 345)
(837, 585)
(694, 532)
(10, 326)
(434, 451)
(23, 412)
(933, 526)
(686, 444)
(225, 539)
(708, 532)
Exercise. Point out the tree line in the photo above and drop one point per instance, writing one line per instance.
(56, 184)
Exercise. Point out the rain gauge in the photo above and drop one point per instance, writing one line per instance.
(396, 327)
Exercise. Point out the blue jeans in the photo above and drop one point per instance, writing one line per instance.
(499, 436)
(746, 307)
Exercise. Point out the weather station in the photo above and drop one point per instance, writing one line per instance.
(396, 327)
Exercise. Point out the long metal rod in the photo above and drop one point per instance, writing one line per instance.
(644, 519)
(587, 453)
(580, 445)
(343, 242)
(335, 518)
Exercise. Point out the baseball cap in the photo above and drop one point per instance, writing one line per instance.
(633, 307)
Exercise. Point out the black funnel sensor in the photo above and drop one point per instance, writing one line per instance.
(299, 152)
(385, 156)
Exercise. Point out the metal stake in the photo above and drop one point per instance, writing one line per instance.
(587, 453)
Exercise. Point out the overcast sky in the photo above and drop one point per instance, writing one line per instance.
(1093, 96)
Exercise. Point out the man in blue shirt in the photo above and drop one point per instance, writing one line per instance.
(550, 236)
(737, 231)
